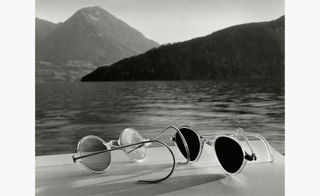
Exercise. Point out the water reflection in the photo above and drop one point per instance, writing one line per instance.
(65, 112)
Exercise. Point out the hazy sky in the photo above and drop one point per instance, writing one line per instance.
(170, 20)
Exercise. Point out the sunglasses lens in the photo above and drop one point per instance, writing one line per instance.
(229, 153)
(131, 136)
(192, 140)
(98, 162)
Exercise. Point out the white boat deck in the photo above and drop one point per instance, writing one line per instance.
(58, 175)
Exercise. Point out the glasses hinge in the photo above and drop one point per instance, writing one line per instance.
(251, 157)
(74, 158)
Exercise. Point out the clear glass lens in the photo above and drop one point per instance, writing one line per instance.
(229, 153)
(192, 140)
(98, 162)
(131, 136)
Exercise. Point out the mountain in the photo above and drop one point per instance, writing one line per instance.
(249, 50)
(43, 28)
(89, 38)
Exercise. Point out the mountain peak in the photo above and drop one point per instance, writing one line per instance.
(93, 14)
(92, 9)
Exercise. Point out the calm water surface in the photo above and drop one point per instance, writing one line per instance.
(65, 112)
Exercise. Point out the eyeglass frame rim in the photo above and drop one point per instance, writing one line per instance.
(200, 142)
(244, 161)
(143, 139)
(83, 162)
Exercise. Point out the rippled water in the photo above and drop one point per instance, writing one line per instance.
(65, 112)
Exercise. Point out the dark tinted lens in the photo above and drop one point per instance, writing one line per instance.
(98, 162)
(192, 140)
(229, 153)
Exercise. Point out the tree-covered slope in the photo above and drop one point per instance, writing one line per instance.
(247, 50)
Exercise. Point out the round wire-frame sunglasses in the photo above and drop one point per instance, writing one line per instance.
(94, 153)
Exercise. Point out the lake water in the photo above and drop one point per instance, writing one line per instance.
(67, 111)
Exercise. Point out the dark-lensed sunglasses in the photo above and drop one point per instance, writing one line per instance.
(229, 152)
(94, 153)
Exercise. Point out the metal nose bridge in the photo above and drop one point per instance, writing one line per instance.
(112, 144)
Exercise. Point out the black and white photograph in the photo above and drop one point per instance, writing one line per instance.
(159, 97)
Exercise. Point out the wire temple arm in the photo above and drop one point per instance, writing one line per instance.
(172, 169)
(152, 138)
(253, 155)
(144, 142)
(266, 144)
(181, 136)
